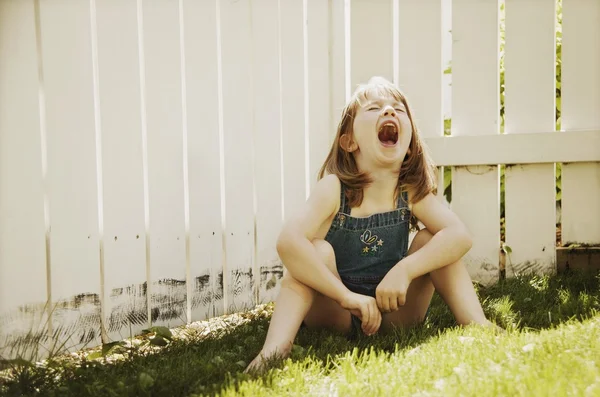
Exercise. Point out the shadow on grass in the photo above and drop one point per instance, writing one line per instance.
(209, 365)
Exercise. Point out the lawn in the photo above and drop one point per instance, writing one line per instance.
(551, 347)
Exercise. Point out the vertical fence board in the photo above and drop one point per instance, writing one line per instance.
(236, 53)
(530, 91)
(125, 297)
(580, 109)
(337, 63)
(206, 231)
(420, 63)
(72, 191)
(162, 64)
(419, 39)
(475, 111)
(293, 121)
(267, 143)
(319, 121)
(371, 40)
(22, 228)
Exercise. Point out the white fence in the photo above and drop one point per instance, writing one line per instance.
(150, 149)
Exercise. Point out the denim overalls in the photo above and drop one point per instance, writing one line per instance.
(367, 248)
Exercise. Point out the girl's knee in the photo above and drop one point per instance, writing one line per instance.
(290, 282)
(326, 253)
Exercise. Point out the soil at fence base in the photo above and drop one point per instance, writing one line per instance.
(578, 258)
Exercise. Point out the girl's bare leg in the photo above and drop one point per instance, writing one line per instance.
(297, 302)
(452, 282)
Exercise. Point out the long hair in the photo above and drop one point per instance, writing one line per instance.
(417, 172)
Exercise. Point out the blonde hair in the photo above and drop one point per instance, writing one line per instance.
(417, 172)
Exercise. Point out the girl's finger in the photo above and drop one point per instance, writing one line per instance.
(364, 310)
(385, 307)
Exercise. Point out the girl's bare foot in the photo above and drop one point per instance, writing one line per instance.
(263, 358)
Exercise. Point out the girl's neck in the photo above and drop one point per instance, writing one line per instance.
(382, 187)
(379, 196)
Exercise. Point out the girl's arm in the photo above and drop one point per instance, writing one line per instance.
(299, 255)
(450, 242)
(295, 247)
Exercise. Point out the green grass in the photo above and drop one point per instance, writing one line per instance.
(551, 347)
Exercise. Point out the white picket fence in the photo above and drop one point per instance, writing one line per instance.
(150, 149)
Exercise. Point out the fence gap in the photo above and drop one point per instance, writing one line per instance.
(307, 179)
(185, 165)
(44, 163)
(445, 177)
(504, 250)
(99, 167)
(144, 130)
(281, 132)
(558, 109)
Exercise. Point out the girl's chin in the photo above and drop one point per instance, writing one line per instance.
(390, 158)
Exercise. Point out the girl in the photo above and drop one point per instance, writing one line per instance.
(349, 264)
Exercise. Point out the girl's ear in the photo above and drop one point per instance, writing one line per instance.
(347, 143)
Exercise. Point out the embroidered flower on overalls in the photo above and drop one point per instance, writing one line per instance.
(369, 240)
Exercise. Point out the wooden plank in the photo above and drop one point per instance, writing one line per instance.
(420, 63)
(580, 82)
(293, 121)
(163, 111)
(204, 158)
(337, 63)
(236, 63)
(267, 143)
(585, 259)
(371, 40)
(319, 117)
(530, 231)
(72, 176)
(23, 290)
(580, 190)
(529, 107)
(575, 147)
(475, 110)
(126, 307)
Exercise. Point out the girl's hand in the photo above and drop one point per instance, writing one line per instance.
(391, 291)
(365, 308)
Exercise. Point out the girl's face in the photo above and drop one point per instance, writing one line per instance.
(382, 133)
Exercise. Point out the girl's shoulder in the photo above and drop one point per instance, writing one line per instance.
(329, 187)
(326, 194)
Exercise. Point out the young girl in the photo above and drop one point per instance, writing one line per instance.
(349, 264)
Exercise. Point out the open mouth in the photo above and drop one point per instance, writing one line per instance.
(388, 134)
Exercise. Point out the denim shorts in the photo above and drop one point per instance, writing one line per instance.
(364, 285)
